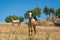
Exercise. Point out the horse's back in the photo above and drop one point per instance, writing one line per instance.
(15, 20)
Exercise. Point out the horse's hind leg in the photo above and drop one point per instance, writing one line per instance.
(34, 29)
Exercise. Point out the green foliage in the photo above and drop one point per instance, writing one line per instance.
(58, 12)
(36, 12)
(21, 19)
(52, 10)
(15, 17)
(49, 11)
(46, 10)
(30, 38)
(9, 18)
(59, 16)
(55, 12)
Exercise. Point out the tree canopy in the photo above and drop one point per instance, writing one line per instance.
(36, 12)
(9, 18)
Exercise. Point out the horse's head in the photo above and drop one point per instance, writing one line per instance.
(30, 14)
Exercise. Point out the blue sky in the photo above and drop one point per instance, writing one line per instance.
(19, 7)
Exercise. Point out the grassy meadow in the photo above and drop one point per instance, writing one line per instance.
(9, 32)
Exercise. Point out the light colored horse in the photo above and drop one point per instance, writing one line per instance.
(31, 24)
(15, 22)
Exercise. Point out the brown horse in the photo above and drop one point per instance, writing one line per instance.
(15, 22)
(31, 24)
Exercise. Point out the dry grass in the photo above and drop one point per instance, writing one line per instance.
(45, 23)
(9, 32)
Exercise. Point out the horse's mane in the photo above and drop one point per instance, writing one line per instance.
(35, 18)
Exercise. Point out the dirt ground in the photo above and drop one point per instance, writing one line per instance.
(9, 32)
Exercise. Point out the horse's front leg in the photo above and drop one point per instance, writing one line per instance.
(18, 24)
(29, 29)
(12, 24)
(34, 29)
